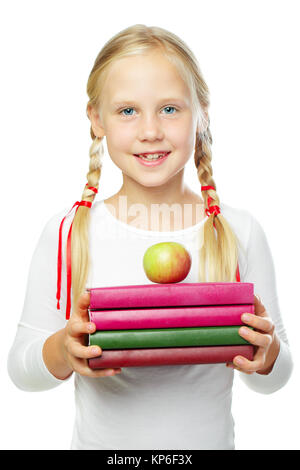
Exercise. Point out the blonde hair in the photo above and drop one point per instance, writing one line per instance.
(219, 252)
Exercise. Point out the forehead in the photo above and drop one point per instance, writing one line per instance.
(140, 76)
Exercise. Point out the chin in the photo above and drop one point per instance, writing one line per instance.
(153, 178)
(153, 182)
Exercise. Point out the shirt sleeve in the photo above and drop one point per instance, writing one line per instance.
(40, 317)
(261, 272)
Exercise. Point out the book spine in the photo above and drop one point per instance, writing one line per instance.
(170, 356)
(168, 295)
(167, 337)
(169, 317)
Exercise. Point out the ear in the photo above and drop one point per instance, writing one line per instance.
(95, 122)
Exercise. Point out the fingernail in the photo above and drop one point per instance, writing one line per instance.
(90, 327)
(96, 351)
(246, 317)
(239, 361)
(244, 331)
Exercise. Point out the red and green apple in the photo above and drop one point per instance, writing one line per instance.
(167, 262)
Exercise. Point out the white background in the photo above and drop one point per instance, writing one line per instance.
(248, 52)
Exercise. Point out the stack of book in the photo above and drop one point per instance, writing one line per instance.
(165, 324)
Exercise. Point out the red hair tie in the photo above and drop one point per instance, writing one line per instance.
(211, 209)
(69, 265)
(216, 210)
(92, 188)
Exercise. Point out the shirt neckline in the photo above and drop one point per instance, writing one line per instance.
(192, 228)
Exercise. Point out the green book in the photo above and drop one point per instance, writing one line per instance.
(167, 337)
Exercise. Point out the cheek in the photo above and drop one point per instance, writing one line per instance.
(182, 139)
(182, 132)
(119, 139)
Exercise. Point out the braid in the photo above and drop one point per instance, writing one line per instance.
(80, 241)
(93, 176)
(218, 249)
(203, 157)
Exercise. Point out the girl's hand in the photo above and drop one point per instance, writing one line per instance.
(75, 349)
(263, 337)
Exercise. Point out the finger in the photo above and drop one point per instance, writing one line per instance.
(82, 306)
(83, 352)
(94, 373)
(264, 324)
(236, 367)
(254, 337)
(81, 367)
(78, 328)
(249, 367)
(259, 307)
(84, 300)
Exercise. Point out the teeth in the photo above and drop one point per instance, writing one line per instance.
(153, 156)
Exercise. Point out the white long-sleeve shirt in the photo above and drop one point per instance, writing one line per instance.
(161, 407)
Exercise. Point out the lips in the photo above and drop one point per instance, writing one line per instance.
(159, 152)
(151, 162)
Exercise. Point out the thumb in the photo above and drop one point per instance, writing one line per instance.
(259, 307)
(82, 305)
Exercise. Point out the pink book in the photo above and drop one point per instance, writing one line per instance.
(171, 295)
(176, 317)
(169, 356)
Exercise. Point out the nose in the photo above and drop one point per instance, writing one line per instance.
(150, 128)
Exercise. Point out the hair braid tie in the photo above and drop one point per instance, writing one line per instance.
(69, 259)
(216, 210)
(211, 209)
(92, 188)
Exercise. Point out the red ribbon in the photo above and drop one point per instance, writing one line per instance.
(205, 188)
(92, 188)
(238, 279)
(216, 210)
(69, 263)
(211, 209)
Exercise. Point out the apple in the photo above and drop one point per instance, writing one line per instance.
(167, 262)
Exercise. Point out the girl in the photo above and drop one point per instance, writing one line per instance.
(148, 98)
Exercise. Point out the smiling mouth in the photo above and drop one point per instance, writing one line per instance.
(152, 157)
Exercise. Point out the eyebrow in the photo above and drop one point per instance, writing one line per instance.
(118, 104)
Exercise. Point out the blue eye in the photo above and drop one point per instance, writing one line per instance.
(169, 107)
(126, 109)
